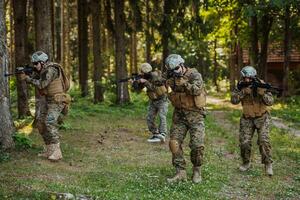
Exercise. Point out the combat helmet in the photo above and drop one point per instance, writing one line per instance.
(39, 56)
(173, 60)
(145, 68)
(248, 72)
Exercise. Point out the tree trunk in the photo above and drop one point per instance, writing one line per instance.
(11, 31)
(232, 67)
(120, 56)
(166, 31)
(44, 42)
(58, 20)
(6, 123)
(83, 46)
(98, 89)
(21, 55)
(65, 38)
(287, 50)
(147, 33)
(133, 53)
(253, 51)
(267, 22)
(215, 70)
(110, 38)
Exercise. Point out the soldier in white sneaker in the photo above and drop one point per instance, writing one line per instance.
(158, 102)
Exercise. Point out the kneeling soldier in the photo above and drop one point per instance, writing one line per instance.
(52, 83)
(255, 117)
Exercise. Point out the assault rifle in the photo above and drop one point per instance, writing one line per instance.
(173, 74)
(27, 69)
(255, 83)
(135, 77)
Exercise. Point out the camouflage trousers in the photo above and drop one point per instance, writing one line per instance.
(48, 122)
(247, 129)
(160, 108)
(187, 121)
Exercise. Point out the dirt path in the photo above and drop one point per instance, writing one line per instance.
(277, 122)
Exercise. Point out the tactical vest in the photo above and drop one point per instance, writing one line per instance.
(182, 100)
(160, 90)
(59, 85)
(253, 106)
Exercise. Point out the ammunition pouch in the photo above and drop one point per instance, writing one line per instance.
(253, 107)
(158, 93)
(186, 101)
(62, 98)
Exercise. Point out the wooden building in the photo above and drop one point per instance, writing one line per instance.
(275, 63)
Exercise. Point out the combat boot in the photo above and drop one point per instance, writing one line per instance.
(56, 152)
(245, 167)
(46, 152)
(269, 169)
(179, 176)
(196, 175)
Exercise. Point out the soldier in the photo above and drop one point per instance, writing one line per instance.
(255, 117)
(52, 83)
(158, 102)
(188, 97)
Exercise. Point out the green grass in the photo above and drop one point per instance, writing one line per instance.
(288, 110)
(106, 156)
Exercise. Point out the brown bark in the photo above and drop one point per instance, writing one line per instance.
(6, 123)
(253, 51)
(147, 33)
(267, 22)
(21, 55)
(83, 46)
(97, 53)
(232, 67)
(287, 50)
(133, 53)
(65, 37)
(215, 70)
(58, 29)
(121, 70)
(11, 31)
(166, 31)
(43, 41)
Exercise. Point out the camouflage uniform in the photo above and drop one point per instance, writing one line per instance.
(158, 103)
(189, 114)
(255, 117)
(47, 119)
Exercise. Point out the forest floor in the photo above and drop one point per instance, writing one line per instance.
(106, 156)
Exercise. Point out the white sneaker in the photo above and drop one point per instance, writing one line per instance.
(162, 137)
(154, 139)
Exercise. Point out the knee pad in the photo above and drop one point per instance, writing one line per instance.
(174, 146)
(246, 145)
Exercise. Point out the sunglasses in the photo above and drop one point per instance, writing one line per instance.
(176, 68)
(35, 63)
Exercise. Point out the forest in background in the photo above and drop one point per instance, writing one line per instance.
(103, 139)
(99, 42)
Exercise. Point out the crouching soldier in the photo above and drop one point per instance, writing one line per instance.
(51, 82)
(188, 97)
(255, 117)
(158, 101)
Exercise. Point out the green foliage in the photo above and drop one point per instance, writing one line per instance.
(4, 156)
(22, 141)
